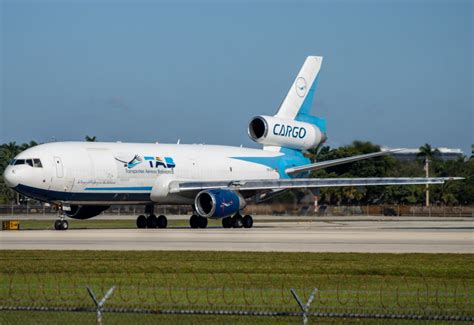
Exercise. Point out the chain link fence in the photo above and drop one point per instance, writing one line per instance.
(37, 210)
(165, 295)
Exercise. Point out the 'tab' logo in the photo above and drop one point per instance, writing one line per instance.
(289, 131)
(155, 162)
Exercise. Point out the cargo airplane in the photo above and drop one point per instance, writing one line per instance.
(85, 178)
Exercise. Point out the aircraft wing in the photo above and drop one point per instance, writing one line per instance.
(330, 163)
(276, 184)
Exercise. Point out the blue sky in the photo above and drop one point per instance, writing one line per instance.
(398, 73)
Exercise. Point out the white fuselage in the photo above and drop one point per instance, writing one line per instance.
(125, 173)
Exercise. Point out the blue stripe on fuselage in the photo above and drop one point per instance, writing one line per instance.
(130, 188)
(47, 195)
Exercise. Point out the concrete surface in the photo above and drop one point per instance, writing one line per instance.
(377, 235)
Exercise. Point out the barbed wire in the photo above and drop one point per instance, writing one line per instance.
(189, 289)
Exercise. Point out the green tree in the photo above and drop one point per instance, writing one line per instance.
(8, 151)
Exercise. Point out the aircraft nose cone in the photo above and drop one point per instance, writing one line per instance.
(10, 177)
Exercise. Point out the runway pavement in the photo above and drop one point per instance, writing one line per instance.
(377, 235)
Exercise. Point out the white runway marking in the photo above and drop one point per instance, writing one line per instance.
(437, 236)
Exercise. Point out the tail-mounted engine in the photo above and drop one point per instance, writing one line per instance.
(218, 203)
(273, 131)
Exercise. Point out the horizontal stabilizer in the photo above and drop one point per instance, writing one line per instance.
(335, 162)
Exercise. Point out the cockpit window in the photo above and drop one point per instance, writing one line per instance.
(12, 162)
(31, 162)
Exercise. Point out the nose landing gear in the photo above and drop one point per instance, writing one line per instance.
(62, 223)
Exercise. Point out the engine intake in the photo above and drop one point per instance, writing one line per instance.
(85, 211)
(274, 131)
(218, 203)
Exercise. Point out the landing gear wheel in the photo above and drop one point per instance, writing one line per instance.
(162, 222)
(151, 221)
(141, 222)
(237, 221)
(247, 221)
(194, 221)
(202, 222)
(64, 225)
(227, 222)
(61, 225)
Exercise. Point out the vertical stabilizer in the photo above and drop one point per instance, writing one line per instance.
(300, 96)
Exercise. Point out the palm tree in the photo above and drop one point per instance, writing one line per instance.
(428, 154)
(9, 151)
(91, 139)
(30, 144)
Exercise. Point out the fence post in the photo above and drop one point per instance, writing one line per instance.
(99, 304)
(304, 308)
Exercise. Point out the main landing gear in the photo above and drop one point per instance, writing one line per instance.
(197, 221)
(237, 221)
(151, 220)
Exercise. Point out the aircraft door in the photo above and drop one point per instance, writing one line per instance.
(59, 167)
(59, 182)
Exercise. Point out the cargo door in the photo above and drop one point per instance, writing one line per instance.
(103, 164)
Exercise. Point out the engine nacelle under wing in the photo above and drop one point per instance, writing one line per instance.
(274, 131)
(218, 203)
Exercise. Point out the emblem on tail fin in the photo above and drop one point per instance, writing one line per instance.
(301, 86)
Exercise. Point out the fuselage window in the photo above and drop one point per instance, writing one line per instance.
(19, 162)
(37, 163)
(30, 162)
